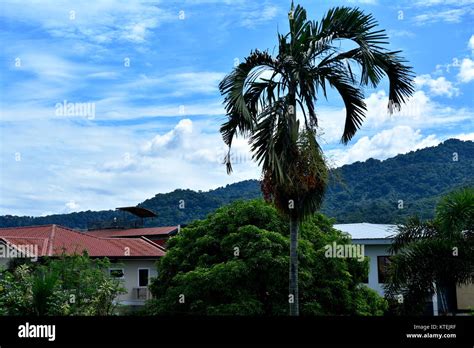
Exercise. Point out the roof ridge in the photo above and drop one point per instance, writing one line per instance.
(118, 238)
(153, 243)
(51, 240)
(31, 226)
(129, 229)
(77, 232)
(22, 237)
(45, 246)
(54, 227)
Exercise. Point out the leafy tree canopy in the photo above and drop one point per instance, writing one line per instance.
(235, 262)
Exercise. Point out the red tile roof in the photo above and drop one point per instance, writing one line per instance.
(134, 232)
(52, 240)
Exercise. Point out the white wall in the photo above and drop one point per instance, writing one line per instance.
(372, 251)
(130, 281)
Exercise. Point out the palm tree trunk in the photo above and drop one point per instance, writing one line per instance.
(294, 301)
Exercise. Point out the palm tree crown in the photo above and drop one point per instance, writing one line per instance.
(264, 93)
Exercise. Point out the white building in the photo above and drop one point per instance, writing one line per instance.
(376, 239)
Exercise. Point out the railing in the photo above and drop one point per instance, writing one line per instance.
(141, 294)
(115, 224)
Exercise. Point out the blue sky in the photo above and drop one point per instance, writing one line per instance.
(150, 72)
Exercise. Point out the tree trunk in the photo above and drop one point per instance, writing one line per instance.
(294, 305)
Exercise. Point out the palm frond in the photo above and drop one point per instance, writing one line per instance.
(265, 143)
(455, 212)
(413, 230)
(353, 100)
(241, 108)
(352, 24)
(400, 77)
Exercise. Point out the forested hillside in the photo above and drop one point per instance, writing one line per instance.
(372, 191)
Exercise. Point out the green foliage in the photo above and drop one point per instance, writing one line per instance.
(438, 252)
(369, 191)
(236, 262)
(69, 285)
(360, 192)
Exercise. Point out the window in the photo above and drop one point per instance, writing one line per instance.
(116, 273)
(382, 268)
(143, 277)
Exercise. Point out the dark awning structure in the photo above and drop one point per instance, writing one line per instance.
(137, 211)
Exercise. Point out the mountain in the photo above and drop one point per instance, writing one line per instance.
(372, 191)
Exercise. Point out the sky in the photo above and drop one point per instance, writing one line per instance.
(139, 80)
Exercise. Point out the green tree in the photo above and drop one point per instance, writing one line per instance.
(68, 285)
(235, 261)
(434, 254)
(264, 93)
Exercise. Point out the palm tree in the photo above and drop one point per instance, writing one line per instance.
(264, 93)
(433, 255)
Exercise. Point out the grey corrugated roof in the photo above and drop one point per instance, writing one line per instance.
(365, 230)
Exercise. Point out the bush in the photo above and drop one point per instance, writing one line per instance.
(68, 285)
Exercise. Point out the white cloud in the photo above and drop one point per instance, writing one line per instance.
(449, 16)
(470, 43)
(72, 206)
(385, 144)
(400, 33)
(447, 67)
(367, 2)
(437, 87)
(137, 32)
(173, 139)
(443, 2)
(448, 11)
(104, 167)
(466, 70)
(464, 136)
(419, 111)
(57, 79)
(253, 17)
(188, 141)
(114, 109)
(98, 22)
(204, 82)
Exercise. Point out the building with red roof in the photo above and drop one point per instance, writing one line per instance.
(133, 258)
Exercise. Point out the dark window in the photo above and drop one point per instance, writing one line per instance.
(116, 273)
(143, 277)
(382, 268)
